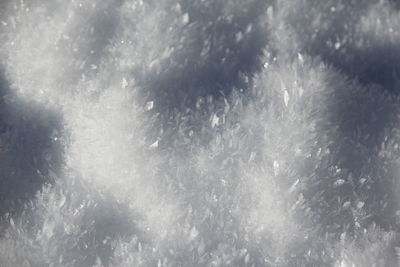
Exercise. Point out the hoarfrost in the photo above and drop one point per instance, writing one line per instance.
(199, 133)
(286, 97)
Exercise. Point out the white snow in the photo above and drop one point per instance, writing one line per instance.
(199, 133)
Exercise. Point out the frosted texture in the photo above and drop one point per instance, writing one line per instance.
(199, 133)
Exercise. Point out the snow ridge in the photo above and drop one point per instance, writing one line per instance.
(199, 133)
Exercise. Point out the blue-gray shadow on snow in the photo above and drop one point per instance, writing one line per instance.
(367, 118)
(74, 224)
(337, 40)
(103, 222)
(395, 4)
(191, 73)
(367, 122)
(216, 55)
(376, 64)
(31, 152)
(363, 117)
(87, 39)
(365, 153)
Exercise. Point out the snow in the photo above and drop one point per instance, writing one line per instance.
(286, 97)
(199, 133)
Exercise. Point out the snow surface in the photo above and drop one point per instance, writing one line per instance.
(199, 133)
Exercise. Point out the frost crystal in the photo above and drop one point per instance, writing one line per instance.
(286, 97)
(149, 105)
(124, 83)
(276, 167)
(199, 133)
(185, 18)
